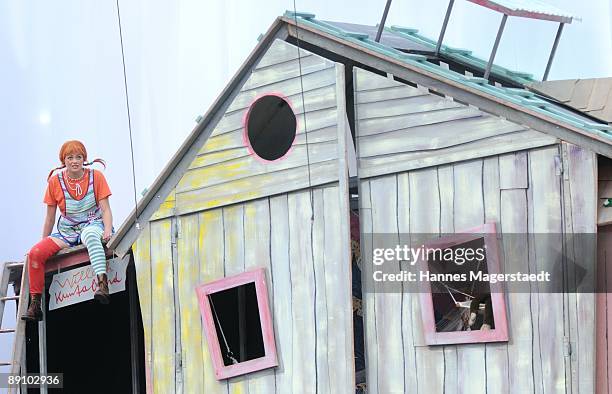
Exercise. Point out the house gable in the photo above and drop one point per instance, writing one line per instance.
(225, 171)
(515, 105)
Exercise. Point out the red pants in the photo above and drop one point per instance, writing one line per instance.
(37, 257)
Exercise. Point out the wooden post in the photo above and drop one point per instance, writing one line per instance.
(552, 52)
(444, 24)
(381, 26)
(497, 39)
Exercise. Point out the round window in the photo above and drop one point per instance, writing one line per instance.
(270, 127)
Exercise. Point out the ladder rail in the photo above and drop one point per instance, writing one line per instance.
(42, 342)
(18, 359)
(19, 342)
(4, 282)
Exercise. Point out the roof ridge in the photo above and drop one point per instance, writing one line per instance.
(519, 96)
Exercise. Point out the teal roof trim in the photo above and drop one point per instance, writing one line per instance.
(462, 55)
(522, 97)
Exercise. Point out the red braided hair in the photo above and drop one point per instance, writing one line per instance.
(74, 147)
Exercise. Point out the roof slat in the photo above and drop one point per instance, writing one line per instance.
(600, 95)
(517, 96)
(532, 9)
(582, 93)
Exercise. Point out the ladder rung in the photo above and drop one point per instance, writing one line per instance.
(4, 363)
(8, 298)
(5, 330)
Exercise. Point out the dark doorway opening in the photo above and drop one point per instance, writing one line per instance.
(98, 348)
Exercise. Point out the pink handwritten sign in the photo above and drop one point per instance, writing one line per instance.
(80, 284)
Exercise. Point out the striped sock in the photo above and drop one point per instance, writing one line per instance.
(92, 238)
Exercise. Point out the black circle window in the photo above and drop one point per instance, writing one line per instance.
(271, 127)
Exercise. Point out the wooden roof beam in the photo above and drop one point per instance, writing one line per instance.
(494, 105)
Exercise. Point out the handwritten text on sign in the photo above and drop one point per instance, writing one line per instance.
(80, 284)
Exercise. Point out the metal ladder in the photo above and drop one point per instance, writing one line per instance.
(15, 271)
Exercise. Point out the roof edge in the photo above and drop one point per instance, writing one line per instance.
(128, 232)
(462, 90)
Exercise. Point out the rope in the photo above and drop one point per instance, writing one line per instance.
(127, 103)
(451, 294)
(455, 290)
(461, 304)
(297, 37)
(228, 352)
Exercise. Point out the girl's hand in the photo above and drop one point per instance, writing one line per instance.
(107, 219)
(107, 235)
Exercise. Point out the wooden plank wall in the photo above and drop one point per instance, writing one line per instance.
(604, 191)
(224, 172)
(167, 208)
(604, 300)
(142, 253)
(604, 312)
(309, 292)
(400, 127)
(523, 193)
(431, 165)
(580, 206)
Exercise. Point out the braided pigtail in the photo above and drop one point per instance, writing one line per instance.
(53, 170)
(96, 161)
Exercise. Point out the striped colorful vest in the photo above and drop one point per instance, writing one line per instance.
(79, 213)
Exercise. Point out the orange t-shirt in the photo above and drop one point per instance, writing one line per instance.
(55, 196)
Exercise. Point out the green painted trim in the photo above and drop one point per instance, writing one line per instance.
(522, 97)
(462, 55)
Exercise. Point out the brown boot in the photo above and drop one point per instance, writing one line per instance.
(34, 313)
(102, 295)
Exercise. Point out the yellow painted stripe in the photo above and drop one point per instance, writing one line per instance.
(191, 324)
(166, 209)
(142, 262)
(210, 245)
(233, 225)
(163, 307)
(256, 186)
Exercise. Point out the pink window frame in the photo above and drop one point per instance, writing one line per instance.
(269, 360)
(500, 333)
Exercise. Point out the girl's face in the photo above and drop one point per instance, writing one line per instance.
(74, 162)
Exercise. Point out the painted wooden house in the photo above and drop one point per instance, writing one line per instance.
(321, 120)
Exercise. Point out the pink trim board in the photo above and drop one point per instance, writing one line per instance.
(500, 333)
(257, 276)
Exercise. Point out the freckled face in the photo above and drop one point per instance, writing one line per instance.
(74, 162)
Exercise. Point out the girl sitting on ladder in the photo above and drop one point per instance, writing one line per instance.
(85, 216)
